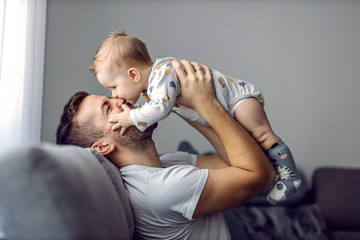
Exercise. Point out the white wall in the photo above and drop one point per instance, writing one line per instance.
(303, 55)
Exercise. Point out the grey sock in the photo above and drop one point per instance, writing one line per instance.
(288, 179)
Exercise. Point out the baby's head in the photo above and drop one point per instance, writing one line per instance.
(121, 64)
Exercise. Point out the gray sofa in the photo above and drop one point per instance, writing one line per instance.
(337, 192)
(66, 192)
(52, 192)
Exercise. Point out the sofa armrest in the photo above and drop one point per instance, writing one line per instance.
(337, 192)
(53, 192)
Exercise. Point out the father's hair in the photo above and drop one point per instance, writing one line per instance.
(70, 131)
(119, 50)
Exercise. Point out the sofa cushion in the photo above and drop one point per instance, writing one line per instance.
(337, 192)
(344, 235)
(53, 192)
(117, 181)
(276, 223)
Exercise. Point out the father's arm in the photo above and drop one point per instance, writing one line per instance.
(250, 172)
(219, 160)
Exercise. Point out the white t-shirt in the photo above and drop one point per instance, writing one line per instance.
(163, 200)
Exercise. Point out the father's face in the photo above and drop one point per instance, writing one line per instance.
(98, 110)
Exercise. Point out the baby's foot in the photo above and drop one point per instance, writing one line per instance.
(281, 190)
(288, 180)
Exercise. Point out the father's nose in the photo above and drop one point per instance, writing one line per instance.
(119, 102)
(114, 95)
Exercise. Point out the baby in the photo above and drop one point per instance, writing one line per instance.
(123, 65)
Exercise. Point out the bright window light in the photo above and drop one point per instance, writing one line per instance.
(22, 52)
(12, 71)
(2, 18)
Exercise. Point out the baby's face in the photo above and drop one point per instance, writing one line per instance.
(120, 84)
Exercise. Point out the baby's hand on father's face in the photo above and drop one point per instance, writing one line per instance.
(122, 120)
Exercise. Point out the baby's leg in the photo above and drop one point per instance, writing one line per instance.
(251, 115)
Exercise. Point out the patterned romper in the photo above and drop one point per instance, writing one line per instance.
(164, 88)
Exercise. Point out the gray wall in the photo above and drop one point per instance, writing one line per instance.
(303, 55)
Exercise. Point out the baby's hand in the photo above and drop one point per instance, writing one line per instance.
(122, 120)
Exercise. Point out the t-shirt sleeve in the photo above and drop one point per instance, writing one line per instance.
(175, 191)
(178, 158)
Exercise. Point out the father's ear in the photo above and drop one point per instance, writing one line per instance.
(104, 147)
(134, 74)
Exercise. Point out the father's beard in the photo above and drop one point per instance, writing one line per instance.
(135, 140)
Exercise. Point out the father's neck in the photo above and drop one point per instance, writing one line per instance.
(148, 156)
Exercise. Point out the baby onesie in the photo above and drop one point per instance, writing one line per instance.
(164, 88)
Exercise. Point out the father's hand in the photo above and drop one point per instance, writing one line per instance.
(197, 86)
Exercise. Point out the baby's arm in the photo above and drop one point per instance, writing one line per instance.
(162, 92)
(122, 120)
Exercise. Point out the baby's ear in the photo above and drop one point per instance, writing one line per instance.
(134, 74)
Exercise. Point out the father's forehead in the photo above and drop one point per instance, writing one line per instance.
(90, 107)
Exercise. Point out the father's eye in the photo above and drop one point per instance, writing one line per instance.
(108, 109)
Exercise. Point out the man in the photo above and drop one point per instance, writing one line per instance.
(179, 196)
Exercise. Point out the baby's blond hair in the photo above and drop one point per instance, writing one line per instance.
(119, 50)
